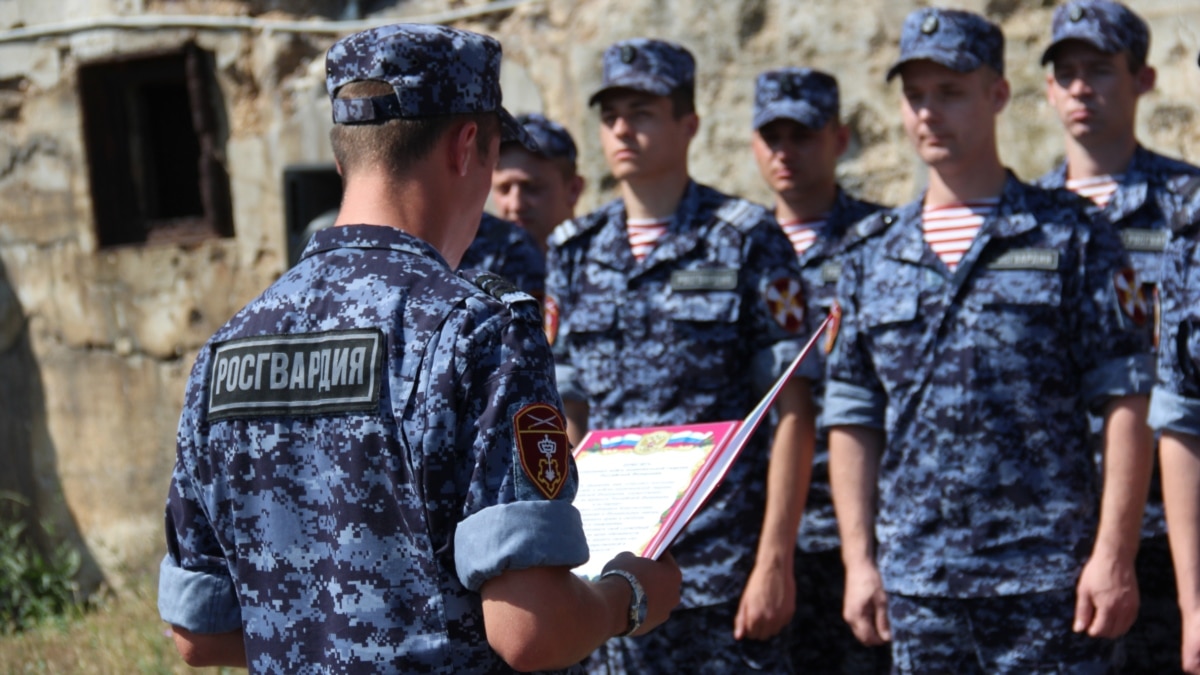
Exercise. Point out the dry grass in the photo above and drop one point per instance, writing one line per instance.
(123, 635)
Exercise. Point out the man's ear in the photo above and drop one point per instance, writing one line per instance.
(462, 149)
(575, 189)
(843, 138)
(692, 122)
(1001, 93)
(1144, 80)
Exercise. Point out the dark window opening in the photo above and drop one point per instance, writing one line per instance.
(311, 195)
(156, 148)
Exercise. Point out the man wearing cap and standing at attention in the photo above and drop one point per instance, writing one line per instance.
(372, 469)
(797, 140)
(677, 304)
(1099, 73)
(979, 323)
(538, 189)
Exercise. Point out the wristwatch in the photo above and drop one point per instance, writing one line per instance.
(637, 602)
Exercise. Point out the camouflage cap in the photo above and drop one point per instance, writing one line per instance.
(654, 66)
(802, 95)
(961, 41)
(435, 70)
(1108, 26)
(553, 140)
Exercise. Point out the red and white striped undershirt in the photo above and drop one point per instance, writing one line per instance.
(644, 233)
(803, 233)
(1099, 189)
(950, 229)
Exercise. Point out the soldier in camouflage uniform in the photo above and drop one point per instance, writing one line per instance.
(1098, 52)
(373, 473)
(972, 527)
(538, 190)
(1175, 411)
(506, 249)
(797, 140)
(677, 304)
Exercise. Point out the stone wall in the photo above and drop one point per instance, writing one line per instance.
(96, 343)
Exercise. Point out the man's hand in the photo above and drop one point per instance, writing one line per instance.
(767, 605)
(660, 580)
(1106, 598)
(1190, 651)
(865, 605)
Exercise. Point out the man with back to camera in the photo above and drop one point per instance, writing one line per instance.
(797, 140)
(676, 304)
(538, 189)
(372, 471)
(1098, 74)
(978, 324)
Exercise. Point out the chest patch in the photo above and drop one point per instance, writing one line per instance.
(1026, 259)
(1148, 241)
(785, 301)
(704, 280)
(831, 271)
(542, 447)
(304, 374)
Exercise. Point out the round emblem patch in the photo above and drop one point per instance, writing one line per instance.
(835, 322)
(1131, 296)
(930, 25)
(550, 319)
(542, 447)
(785, 301)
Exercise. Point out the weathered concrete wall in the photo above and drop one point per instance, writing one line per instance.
(91, 386)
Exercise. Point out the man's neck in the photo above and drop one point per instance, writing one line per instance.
(792, 207)
(411, 206)
(1091, 160)
(654, 198)
(960, 184)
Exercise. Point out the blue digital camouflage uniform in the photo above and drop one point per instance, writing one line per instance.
(506, 249)
(1141, 209)
(1175, 405)
(981, 379)
(821, 641)
(685, 336)
(371, 439)
(353, 535)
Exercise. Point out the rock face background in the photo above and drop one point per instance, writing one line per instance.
(96, 343)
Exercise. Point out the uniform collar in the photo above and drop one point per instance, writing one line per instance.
(1010, 219)
(370, 237)
(612, 242)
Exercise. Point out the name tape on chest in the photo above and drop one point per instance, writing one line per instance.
(304, 374)
(704, 280)
(831, 271)
(1026, 259)
(1150, 241)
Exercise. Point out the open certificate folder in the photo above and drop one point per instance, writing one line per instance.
(638, 488)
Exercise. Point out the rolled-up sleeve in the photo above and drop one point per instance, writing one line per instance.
(195, 589)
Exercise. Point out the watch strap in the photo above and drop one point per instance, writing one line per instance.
(637, 601)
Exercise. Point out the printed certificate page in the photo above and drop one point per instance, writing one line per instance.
(639, 487)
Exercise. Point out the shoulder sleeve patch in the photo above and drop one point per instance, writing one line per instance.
(542, 448)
